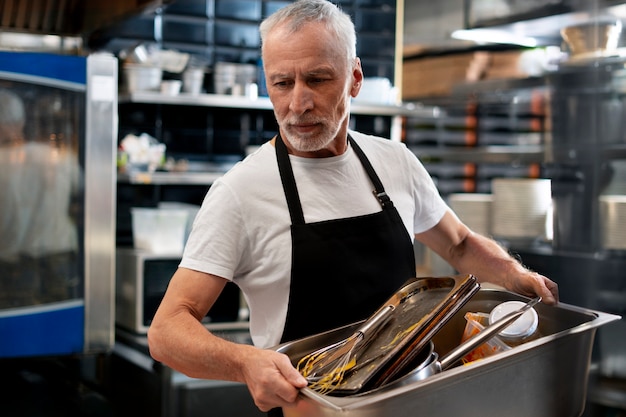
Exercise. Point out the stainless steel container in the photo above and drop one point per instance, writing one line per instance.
(545, 377)
(612, 221)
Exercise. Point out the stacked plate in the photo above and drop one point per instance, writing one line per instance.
(522, 208)
(474, 210)
(613, 221)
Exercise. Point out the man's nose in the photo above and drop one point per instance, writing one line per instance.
(301, 99)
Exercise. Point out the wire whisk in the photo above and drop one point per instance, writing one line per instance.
(326, 368)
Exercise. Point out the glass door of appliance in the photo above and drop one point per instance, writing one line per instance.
(57, 144)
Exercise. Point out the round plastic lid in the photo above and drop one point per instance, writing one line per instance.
(522, 327)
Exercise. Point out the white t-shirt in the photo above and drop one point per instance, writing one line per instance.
(242, 231)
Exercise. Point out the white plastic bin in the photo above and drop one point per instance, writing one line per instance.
(159, 230)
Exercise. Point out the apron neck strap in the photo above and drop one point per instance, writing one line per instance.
(289, 182)
(291, 190)
(379, 190)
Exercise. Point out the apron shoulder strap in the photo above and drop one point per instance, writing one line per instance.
(379, 190)
(289, 182)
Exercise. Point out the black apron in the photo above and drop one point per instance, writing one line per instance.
(344, 269)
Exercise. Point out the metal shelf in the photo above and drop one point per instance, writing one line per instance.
(615, 151)
(483, 154)
(545, 27)
(264, 103)
(170, 178)
(205, 100)
(588, 152)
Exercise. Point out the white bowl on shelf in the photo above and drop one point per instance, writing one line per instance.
(140, 77)
(171, 87)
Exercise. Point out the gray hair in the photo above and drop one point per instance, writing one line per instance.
(11, 108)
(297, 14)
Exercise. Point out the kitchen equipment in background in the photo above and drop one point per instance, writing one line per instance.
(224, 77)
(171, 87)
(232, 78)
(587, 109)
(474, 209)
(546, 370)
(59, 194)
(617, 184)
(592, 39)
(193, 80)
(141, 153)
(482, 13)
(159, 230)
(522, 208)
(141, 77)
(152, 55)
(191, 209)
(141, 280)
(377, 90)
(138, 54)
(613, 221)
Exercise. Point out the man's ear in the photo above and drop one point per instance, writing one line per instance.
(357, 78)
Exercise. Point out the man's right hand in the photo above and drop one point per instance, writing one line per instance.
(271, 379)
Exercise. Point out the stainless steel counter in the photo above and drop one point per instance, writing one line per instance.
(144, 387)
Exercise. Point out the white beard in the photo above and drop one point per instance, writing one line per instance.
(312, 142)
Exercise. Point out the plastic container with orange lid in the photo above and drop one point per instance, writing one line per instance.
(475, 323)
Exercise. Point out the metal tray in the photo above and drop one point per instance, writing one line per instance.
(543, 378)
(421, 307)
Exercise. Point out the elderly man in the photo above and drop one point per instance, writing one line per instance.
(317, 214)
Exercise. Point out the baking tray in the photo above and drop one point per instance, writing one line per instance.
(543, 378)
(421, 307)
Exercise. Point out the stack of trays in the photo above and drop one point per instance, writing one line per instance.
(422, 306)
(474, 209)
(613, 221)
(522, 208)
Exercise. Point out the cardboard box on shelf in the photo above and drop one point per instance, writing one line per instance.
(505, 64)
(435, 75)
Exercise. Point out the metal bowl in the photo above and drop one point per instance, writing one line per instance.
(424, 365)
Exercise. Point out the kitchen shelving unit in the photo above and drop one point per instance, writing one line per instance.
(583, 145)
(227, 31)
(213, 132)
(483, 131)
(213, 129)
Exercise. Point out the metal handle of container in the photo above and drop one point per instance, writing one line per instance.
(486, 334)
